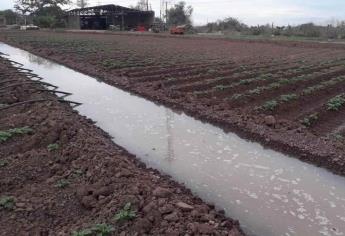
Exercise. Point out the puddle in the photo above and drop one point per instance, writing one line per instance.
(270, 193)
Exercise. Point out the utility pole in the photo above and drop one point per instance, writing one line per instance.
(166, 12)
(82, 3)
(161, 9)
(122, 21)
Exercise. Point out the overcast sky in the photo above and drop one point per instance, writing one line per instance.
(251, 12)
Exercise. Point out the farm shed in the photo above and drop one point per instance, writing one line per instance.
(101, 17)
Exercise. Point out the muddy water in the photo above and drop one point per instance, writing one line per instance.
(270, 193)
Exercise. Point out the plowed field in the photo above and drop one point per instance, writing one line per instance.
(289, 96)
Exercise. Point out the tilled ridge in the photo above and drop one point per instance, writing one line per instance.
(60, 174)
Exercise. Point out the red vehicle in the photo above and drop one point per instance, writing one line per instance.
(178, 29)
(141, 28)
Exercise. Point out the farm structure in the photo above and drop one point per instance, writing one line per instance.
(102, 17)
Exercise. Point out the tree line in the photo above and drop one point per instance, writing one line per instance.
(232, 25)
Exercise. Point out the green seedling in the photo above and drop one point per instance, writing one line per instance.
(338, 137)
(220, 87)
(84, 232)
(336, 103)
(125, 214)
(62, 183)
(244, 81)
(199, 92)
(7, 203)
(211, 71)
(97, 230)
(237, 96)
(78, 172)
(53, 147)
(309, 120)
(270, 105)
(274, 85)
(288, 97)
(8, 134)
(102, 229)
(3, 163)
(255, 91)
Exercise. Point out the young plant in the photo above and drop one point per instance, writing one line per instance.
(288, 97)
(62, 183)
(211, 71)
(255, 91)
(336, 103)
(270, 105)
(7, 203)
(220, 87)
(78, 172)
(125, 214)
(8, 134)
(97, 230)
(237, 96)
(3, 163)
(338, 137)
(53, 147)
(309, 120)
(84, 232)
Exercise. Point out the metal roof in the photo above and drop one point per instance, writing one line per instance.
(105, 9)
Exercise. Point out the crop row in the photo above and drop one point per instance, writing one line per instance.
(251, 78)
(284, 82)
(283, 99)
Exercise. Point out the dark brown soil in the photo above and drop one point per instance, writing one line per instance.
(192, 75)
(84, 179)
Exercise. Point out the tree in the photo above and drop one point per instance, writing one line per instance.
(31, 6)
(10, 16)
(309, 30)
(229, 24)
(49, 17)
(142, 5)
(180, 14)
(82, 3)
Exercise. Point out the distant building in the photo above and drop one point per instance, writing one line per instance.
(102, 17)
(2, 21)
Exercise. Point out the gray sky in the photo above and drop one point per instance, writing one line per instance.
(251, 12)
